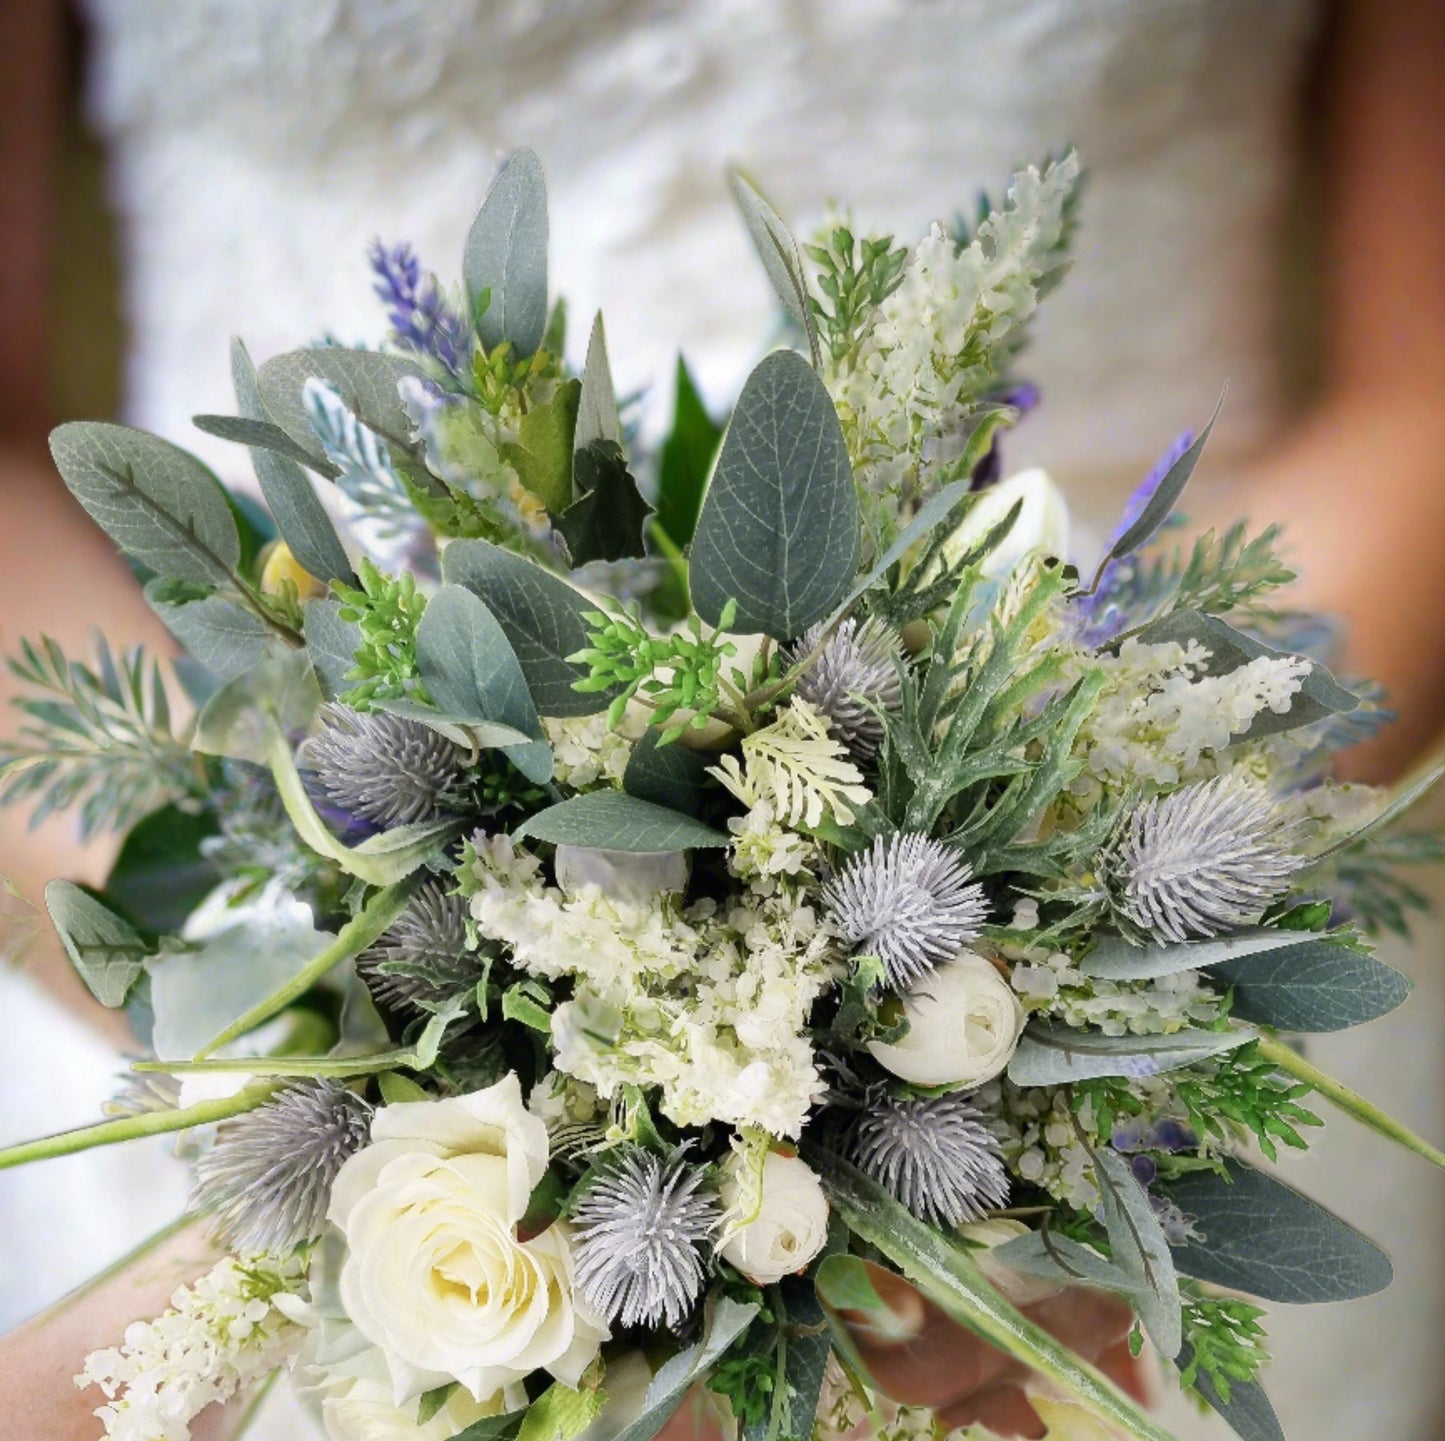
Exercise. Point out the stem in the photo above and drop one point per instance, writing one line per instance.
(132, 1128)
(1351, 1102)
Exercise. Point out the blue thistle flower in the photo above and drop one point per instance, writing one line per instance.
(853, 680)
(422, 960)
(419, 315)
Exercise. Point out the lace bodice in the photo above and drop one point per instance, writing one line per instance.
(258, 145)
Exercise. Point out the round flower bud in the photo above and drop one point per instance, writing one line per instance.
(621, 875)
(963, 1024)
(280, 565)
(790, 1227)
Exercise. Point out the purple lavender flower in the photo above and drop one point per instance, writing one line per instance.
(418, 313)
(1023, 397)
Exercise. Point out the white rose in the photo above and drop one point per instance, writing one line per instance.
(963, 1024)
(359, 1406)
(621, 875)
(435, 1275)
(790, 1227)
(1042, 524)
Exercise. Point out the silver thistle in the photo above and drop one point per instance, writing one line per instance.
(909, 900)
(385, 769)
(640, 1232)
(935, 1156)
(854, 678)
(422, 960)
(1200, 862)
(268, 1177)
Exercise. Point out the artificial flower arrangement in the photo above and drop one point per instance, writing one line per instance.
(576, 935)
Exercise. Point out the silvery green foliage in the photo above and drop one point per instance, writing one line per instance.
(422, 961)
(934, 1155)
(365, 472)
(1201, 861)
(854, 678)
(909, 900)
(385, 769)
(268, 1177)
(640, 1233)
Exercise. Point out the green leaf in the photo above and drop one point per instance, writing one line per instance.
(472, 673)
(804, 1345)
(239, 719)
(615, 821)
(332, 644)
(1140, 1250)
(160, 875)
(1053, 1257)
(506, 257)
(224, 637)
(397, 1090)
(519, 1005)
(1247, 1411)
(597, 417)
(106, 952)
(263, 435)
(778, 531)
(685, 462)
(560, 1413)
(671, 776)
(300, 516)
(494, 1428)
(542, 617)
(844, 1284)
(546, 1203)
(542, 454)
(607, 519)
(1314, 987)
(780, 256)
(1114, 959)
(1262, 1237)
(1055, 1055)
(158, 503)
(1229, 649)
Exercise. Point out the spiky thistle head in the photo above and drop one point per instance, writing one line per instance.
(386, 769)
(268, 1177)
(1200, 862)
(934, 1155)
(853, 679)
(640, 1233)
(909, 900)
(423, 959)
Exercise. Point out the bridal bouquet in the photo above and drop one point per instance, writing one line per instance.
(583, 928)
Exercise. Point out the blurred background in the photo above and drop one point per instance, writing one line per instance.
(1265, 204)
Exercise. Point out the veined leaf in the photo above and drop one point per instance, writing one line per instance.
(1054, 1055)
(1327, 986)
(542, 454)
(106, 952)
(260, 434)
(609, 516)
(671, 776)
(1248, 1412)
(1059, 1258)
(1114, 959)
(331, 643)
(224, 637)
(506, 257)
(1140, 1250)
(780, 256)
(615, 821)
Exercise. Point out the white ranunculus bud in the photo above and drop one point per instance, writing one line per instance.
(1042, 526)
(621, 875)
(791, 1224)
(963, 1024)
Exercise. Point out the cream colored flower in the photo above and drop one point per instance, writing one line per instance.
(1042, 526)
(790, 1226)
(360, 1407)
(435, 1275)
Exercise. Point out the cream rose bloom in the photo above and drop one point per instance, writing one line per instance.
(360, 1407)
(964, 1022)
(435, 1275)
(791, 1224)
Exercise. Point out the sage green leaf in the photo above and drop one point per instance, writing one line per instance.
(332, 644)
(542, 454)
(778, 531)
(1140, 1250)
(780, 256)
(472, 673)
(238, 720)
(686, 461)
(1319, 696)
(1248, 1412)
(615, 821)
(506, 257)
(597, 417)
(225, 637)
(157, 502)
(1257, 1235)
(1055, 1055)
(261, 435)
(1052, 1257)
(542, 618)
(1114, 959)
(469, 734)
(300, 516)
(106, 952)
(608, 518)
(365, 380)
(1313, 987)
(671, 776)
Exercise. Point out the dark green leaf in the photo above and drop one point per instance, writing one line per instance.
(494, 1428)
(1140, 1250)
(1316, 986)
(778, 531)
(606, 521)
(506, 257)
(615, 821)
(223, 636)
(780, 256)
(106, 952)
(670, 776)
(160, 875)
(543, 1206)
(686, 460)
(1248, 1412)
(807, 1343)
(542, 454)
(1054, 1055)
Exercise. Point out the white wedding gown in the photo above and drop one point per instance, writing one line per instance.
(258, 145)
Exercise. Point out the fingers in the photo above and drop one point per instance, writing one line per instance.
(1003, 1409)
(1129, 1373)
(1088, 1322)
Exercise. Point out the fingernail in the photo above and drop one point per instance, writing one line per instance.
(897, 1321)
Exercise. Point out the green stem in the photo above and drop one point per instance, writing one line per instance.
(1351, 1102)
(344, 1066)
(133, 1128)
(375, 916)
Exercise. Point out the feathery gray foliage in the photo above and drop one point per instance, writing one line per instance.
(640, 1231)
(1202, 861)
(909, 900)
(385, 769)
(268, 1177)
(853, 679)
(422, 960)
(936, 1156)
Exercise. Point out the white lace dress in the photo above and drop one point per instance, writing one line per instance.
(258, 145)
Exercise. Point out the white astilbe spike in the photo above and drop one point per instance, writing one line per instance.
(1203, 861)
(853, 681)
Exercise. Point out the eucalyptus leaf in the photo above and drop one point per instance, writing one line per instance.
(615, 821)
(158, 503)
(781, 258)
(506, 257)
(263, 435)
(1140, 1250)
(224, 637)
(1314, 987)
(1248, 1412)
(1058, 1258)
(1319, 696)
(1114, 959)
(332, 644)
(671, 776)
(105, 950)
(778, 532)
(1055, 1055)
(483, 735)
(1257, 1235)
(542, 618)
(597, 417)
(161, 875)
